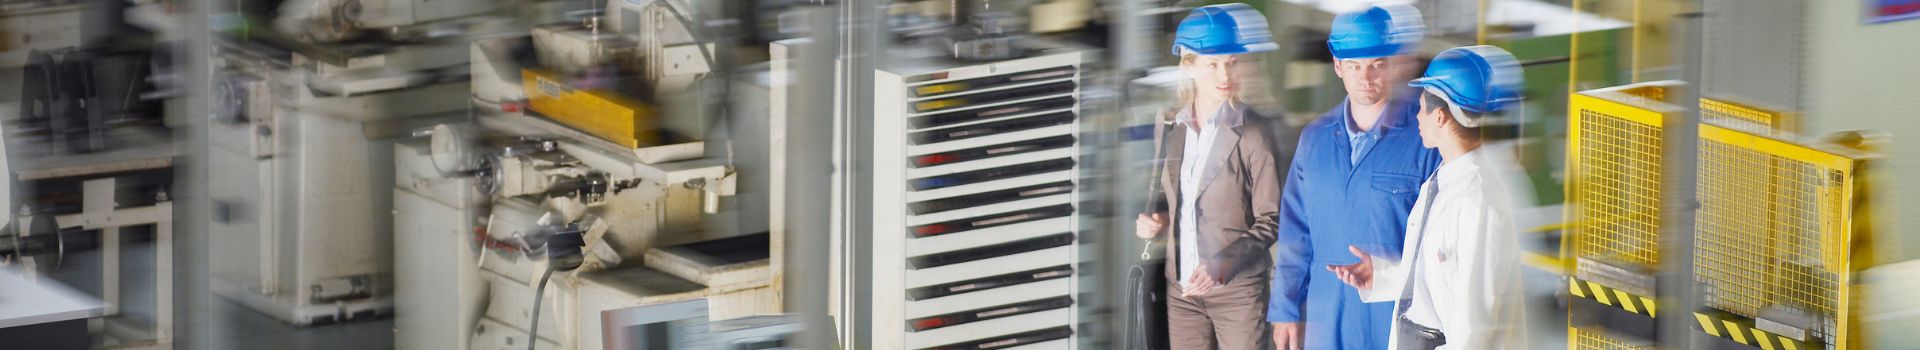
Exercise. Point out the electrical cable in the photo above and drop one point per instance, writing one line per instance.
(562, 245)
(533, 329)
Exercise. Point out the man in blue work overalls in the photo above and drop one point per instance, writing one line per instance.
(1352, 183)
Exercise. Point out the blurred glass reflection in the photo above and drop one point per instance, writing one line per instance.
(886, 174)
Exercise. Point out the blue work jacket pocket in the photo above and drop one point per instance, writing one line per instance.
(1394, 195)
(1396, 184)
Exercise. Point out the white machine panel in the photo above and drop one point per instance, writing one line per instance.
(490, 335)
(511, 303)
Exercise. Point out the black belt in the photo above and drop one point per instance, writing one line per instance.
(1428, 337)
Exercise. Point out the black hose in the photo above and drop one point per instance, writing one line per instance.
(533, 330)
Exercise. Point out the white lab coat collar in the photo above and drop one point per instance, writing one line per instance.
(1455, 172)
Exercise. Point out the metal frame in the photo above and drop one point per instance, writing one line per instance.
(100, 212)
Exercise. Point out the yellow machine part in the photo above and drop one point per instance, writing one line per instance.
(1649, 92)
(606, 114)
(1774, 227)
(1743, 117)
(1613, 177)
(1589, 339)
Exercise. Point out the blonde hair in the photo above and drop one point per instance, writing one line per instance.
(1188, 92)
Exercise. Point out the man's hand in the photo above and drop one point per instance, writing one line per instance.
(1286, 336)
(1149, 226)
(1360, 275)
(1201, 283)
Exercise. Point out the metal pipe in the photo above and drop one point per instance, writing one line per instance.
(1639, 28)
(1480, 24)
(1679, 160)
(183, 290)
(1573, 51)
(853, 153)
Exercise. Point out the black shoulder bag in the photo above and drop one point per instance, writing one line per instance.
(1146, 281)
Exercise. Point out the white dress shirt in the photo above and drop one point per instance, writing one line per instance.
(1461, 271)
(1193, 163)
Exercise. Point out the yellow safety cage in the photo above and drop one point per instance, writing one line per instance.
(1774, 231)
(1613, 183)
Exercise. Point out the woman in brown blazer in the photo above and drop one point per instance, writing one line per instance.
(1220, 190)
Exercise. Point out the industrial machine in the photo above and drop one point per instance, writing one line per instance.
(328, 21)
(85, 167)
(70, 106)
(1776, 246)
(88, 168)
(302, 140)
(95, 232)
(467, 247)
(596, 130)
(79, 218)
(89, 76)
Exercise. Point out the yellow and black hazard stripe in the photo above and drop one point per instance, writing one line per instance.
(1613, 297)
(1733, 327)
(1740, 330)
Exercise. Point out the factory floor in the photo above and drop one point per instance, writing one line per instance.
(238, 327)
(234, 326)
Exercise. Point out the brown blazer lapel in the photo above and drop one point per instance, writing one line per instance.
(1223, 146)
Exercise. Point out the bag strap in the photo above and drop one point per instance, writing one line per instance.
(1160, 125)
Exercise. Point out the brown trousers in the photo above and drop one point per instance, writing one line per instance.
(1231, 317)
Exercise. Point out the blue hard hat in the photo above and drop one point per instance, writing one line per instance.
(1480, 79)
(1378, 31)
(1223, 30)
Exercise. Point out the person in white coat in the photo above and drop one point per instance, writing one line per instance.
(1457, 284)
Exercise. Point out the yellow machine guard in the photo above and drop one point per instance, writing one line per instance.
(607, 114)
